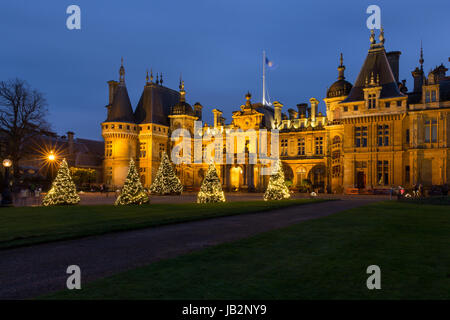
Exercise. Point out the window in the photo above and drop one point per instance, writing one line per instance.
(383, 172)
(301, 175)
(108, 174)
(128, 127)
(319, 145)
(120, 126)
(399, 103)
(407, 174)
(407, 136)
(431, 130)
(112, 126)
(301, 146)
(427, 96)
(336, 140)
(108, 149)
(383, 135)
(387, 105)
(355, 108)
(162, 148)
(372, 100)
(284, 147)
(433, 96)
(336, 171)
(143, 149)
(345, 109)
(360, 137)
(335, 155)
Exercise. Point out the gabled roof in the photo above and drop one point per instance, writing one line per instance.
(155, 103)
(376, 64)
(120, 109)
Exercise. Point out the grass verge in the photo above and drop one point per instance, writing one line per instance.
(31, 225)
(325, 258)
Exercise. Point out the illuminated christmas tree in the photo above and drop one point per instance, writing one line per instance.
(211, 189)
(63, 190)
(132, 191)
(277, 189)
(166, 180)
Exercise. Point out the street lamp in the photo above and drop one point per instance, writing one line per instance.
(51, 156)
(6, 194)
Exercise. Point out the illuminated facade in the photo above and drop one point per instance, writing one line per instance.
(375, 133)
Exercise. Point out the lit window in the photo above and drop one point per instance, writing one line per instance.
(360, 137)
(383, 172)
(372, 99)
(284, 147)
(383, 135)
(108, 149)
(143, 149)
(301, 146)
(319, 145)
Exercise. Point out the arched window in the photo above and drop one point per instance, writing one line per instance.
(336, 140)
(301, 175)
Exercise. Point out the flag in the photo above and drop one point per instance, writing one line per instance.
(269, 63)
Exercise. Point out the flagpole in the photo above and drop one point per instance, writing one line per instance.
(264, 78)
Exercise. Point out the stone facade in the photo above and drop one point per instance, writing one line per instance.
(376, 134)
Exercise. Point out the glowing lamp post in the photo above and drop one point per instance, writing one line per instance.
(6, 194)
(51, 160)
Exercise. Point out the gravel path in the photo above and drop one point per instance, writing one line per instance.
(31, 271)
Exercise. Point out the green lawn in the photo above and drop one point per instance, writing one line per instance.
(30, 225)
(318, 259)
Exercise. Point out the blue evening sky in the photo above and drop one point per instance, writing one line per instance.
(216, 44)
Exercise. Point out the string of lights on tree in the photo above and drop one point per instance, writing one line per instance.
(166, 180)
(277, 189)
(211, 188)
(63, 190)
(132, 192)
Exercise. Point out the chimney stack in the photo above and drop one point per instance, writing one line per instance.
(394, 62)
(112, 85)
(277, 113)
(302, 107)
(314, 103)
(292, 114)
(198, 110)
(217, 117)
(70, 135)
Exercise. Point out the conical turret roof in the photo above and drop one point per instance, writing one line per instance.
(120, 109)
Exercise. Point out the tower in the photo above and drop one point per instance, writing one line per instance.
(119, 131)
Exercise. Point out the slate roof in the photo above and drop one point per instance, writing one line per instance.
(120, 109)
(155, 104)
(377, 63)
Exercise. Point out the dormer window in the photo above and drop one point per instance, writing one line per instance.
(387, 105)
(399, 103)
(433, 95)
(355, 108)
(372, 99)
(345, 109)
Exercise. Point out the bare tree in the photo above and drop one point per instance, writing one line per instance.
(22, 117)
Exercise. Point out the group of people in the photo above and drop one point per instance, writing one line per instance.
(417, 192)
